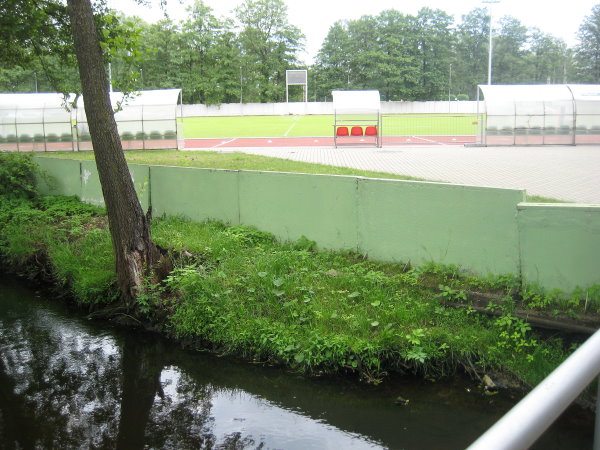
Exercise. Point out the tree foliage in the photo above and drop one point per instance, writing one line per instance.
(243, 58)
(587, 52)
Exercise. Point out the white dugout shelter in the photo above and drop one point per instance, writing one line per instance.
(148, 120)
(43, 122)
(560, 114)
(35, 122)
(356, 118)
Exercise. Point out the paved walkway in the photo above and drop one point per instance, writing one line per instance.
(567, 173)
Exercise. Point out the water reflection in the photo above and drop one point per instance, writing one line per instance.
(68, 383)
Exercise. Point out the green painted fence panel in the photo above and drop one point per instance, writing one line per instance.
(91, 191)
(320, 207)
(417, 222)
(63, 177)
(479, 229)
(199, 194)
(560, 245)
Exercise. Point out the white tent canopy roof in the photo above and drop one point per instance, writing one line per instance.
(356, 102)
(33, 101)
(34, 108)
(141, 105)
(506, 99)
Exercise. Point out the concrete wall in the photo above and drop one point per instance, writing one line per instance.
(559, 245)
(277, 109)
(80, 178)
(484, 230)
(198, 194)
(64, 177)
(473, 227)
(321, 207)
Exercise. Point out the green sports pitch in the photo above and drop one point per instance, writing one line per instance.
(322, 125)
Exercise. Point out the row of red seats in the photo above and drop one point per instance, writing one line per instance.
(356, 131)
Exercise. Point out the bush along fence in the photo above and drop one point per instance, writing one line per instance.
(482, 230)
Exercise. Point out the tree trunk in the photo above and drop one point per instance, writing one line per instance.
(135, 252)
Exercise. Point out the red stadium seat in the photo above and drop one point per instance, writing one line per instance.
(356, 131)
(371, 131)
(341, 131)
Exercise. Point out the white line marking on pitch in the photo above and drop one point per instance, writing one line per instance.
(296, 119)
(223, 143)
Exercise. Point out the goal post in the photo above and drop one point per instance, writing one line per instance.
(296, 78)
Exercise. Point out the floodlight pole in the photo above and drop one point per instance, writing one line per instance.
(490, 44)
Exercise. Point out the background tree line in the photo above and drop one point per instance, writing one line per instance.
(427, 56)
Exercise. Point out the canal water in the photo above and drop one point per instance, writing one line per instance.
(66, 382)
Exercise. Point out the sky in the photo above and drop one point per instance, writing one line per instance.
(315, 17)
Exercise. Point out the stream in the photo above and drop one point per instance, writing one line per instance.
(67, 382)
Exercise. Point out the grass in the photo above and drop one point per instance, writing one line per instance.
(231, 161)
(322, 125)
(244, 161)
(237, 290)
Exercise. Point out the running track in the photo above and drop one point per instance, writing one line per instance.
(323, 141)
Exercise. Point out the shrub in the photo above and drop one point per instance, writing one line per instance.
(17, 175)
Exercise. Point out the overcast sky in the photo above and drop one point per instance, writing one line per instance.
(315, 17)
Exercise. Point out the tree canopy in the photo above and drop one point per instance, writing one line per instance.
(243, 58)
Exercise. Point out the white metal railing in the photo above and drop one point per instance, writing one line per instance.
(525, 422)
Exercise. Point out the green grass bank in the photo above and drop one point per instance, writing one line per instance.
(236, 290)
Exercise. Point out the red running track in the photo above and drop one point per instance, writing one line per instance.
(212, 143)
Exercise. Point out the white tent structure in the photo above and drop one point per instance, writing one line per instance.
(42, 122)
(148, 120)
(35, 122)
(565, 114)
(356, 118)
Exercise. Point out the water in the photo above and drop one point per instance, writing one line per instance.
(66, 382)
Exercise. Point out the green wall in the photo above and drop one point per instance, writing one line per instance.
(320, 207)
(484, 230)
(560, 245)
(64, 177)
(91, 191)
(450, 224)
(198, 194)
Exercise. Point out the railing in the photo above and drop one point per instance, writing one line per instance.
(525, 422)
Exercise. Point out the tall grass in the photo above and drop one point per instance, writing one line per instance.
(237, 290)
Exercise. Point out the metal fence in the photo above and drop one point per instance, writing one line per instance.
(401, 129)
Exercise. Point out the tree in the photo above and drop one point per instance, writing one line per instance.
(211, 56)
(332, 68)
(548, 59)
(269, 45)
(509, 52)
(587, 51)
(396, 63)
(433, 52)
(38, 28)
(135, 253)
(162, 60)
(471, 57)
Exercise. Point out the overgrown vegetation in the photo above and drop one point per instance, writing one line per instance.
(17, 175)
(237, 290)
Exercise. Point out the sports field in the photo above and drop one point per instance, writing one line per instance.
(322, 126)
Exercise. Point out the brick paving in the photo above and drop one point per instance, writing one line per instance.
(570, 173)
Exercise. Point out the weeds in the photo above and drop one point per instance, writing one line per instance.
(236, 290)
(17, 175)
